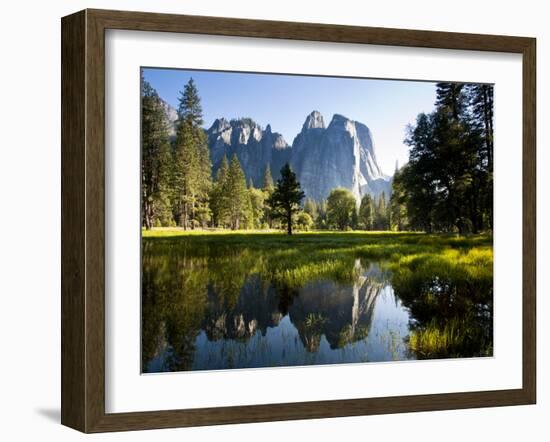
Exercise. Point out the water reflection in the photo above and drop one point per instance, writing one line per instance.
(205, 309)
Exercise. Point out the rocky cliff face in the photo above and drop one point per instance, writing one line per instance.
(341, 154)
(255, 147)
(171, 117)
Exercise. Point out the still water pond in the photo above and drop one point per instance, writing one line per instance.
(207, 307)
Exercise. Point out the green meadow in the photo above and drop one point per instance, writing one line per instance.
(443, 280)
(293, 260)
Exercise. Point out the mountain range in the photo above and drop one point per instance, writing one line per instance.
(340, 154)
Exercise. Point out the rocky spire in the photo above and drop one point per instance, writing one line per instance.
(219, 125)
(314, 121)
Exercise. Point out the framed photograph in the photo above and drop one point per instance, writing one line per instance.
(270, 220)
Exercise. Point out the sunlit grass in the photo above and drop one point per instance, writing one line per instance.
(296, 259)
(452, 339)
(433, 341)
(445, 280)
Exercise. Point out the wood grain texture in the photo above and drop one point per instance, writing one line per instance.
(83, 220)
(73, 253)
(144, 21)
(95, 222)
(529, 220)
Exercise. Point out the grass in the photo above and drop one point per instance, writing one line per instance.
(453, 339)
(444, 280)
(434, 340)
(301, 257)
(371, 244)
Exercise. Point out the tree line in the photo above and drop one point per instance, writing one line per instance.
(177, 186)
(175, 175)
(446, 185)
(341, 211)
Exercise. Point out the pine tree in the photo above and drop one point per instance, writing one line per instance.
(447, 184)
(285, 199)
(419, 176)
(268, 185)
(155, 158)
(268, 188)
(218, 200)
(366, 212)
(257, 200)
(380, 214)
(189, 107)
(481, 102)
(204, 173)
(398, 210)
(203, 211)
(192, 166)
(449, 96)
(236, 195)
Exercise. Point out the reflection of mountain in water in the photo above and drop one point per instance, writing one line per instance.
(207, 305)
(256, 310)
(338, 314)
(341, 312)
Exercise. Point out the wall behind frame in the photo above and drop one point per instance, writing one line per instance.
(30, 217)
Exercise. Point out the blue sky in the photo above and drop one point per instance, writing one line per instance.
(284, 101)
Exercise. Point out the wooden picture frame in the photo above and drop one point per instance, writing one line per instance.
(83, 220)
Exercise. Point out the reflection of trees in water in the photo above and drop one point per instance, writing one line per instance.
(223, 297)
(173, 303)
(449, 317)
(230, 294)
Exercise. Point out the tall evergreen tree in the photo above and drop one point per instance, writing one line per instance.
(236, 195)
(447, 184)
(397, 210)
(192, 166)
(366, 212)
(268, 185)
(481, 102)
(218, 202)
(419, 176)
(380, 213)
(449, 96)
(285, 199)
(189, 106)
(155, 158)
(257, 200)
(203, 212)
